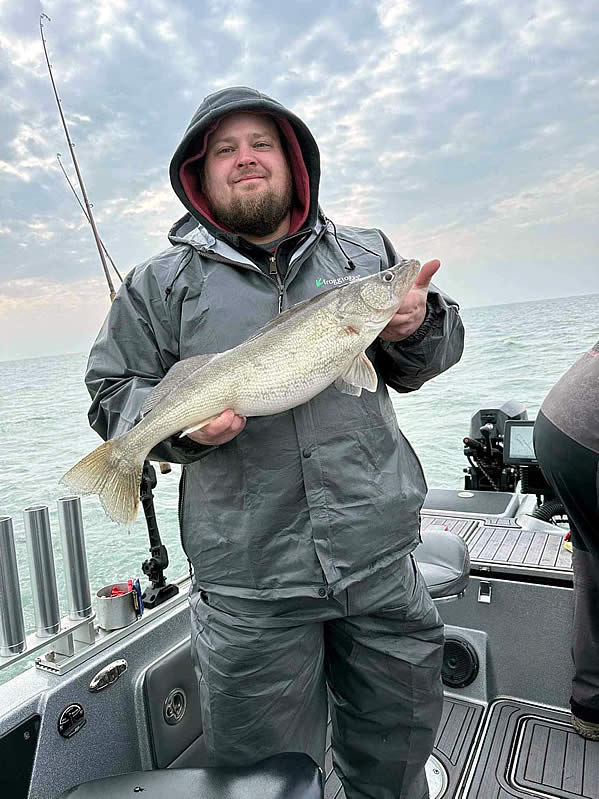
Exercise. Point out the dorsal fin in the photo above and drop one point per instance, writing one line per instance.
(178, 372)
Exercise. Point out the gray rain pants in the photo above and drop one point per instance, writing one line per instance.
(265, 668)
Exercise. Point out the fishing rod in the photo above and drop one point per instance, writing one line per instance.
(75, 164)
(159, 590)
(106, 253)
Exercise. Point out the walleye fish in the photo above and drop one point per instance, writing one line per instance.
(293, 358)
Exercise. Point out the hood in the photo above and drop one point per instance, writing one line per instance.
(302, 151)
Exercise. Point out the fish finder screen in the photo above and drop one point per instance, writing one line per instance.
(517, 445)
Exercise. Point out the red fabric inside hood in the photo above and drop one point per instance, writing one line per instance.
(193, 189)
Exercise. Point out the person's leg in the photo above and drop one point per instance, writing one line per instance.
(585, 639)
(261, 680)
(573, 473)
(383, 667)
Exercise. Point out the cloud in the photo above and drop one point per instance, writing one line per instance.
(555, 198)
(464, 130)
(27, 294)
(62, 317)
(23, 53)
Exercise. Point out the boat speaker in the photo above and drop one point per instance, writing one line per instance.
(460, 663)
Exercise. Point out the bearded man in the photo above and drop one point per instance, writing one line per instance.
(299, 526)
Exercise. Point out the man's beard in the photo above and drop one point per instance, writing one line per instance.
(255, 214)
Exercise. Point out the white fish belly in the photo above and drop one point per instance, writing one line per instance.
(275, 399)
(285, 383)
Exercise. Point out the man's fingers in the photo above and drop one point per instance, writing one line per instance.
(220, 430)
(238, 424)
(220, 424)
(426, 274)
(228, 421)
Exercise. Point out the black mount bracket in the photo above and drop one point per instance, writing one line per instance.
(159, 590)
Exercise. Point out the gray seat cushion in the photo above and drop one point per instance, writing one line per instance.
(284, 776)
(444, 562)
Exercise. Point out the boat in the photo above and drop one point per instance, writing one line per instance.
(111, 706)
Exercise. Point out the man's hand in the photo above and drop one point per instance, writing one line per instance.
(410, 314)
(219, 430)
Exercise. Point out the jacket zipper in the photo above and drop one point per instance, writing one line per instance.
(273, 276)
(274, 272)
(180, 514)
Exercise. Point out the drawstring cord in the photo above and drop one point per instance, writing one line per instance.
(350, 266)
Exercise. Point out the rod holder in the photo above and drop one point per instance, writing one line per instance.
(41, 567)
(12, 627)
(74, 556)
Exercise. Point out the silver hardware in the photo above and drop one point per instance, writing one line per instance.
(12, 628)
(484, 593)
(115, 612)
(71, 720)
(440, 600)
(436, 777)
(74, 557)
(41, 569)
(175, 705)
(108, 675)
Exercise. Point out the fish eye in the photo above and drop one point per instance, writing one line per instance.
(387, 277)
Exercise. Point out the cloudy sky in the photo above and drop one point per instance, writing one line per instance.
(466, 129)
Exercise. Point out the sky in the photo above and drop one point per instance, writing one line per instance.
(465, 129)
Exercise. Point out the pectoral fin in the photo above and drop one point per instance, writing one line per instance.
(347, 388)
(361, 374)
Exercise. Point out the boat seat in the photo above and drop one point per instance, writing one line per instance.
(444, 562)
(284, 776)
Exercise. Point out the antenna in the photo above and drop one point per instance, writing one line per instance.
(76, 165)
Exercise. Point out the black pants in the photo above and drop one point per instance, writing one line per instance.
(572, 471)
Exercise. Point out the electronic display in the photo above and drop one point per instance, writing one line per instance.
(518, 448)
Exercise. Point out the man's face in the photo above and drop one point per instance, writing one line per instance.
(246, 179)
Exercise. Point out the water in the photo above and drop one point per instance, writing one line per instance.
(512, 352)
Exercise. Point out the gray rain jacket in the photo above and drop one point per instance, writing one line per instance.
(308, 501)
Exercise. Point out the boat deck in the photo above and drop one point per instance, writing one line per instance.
(509, 749)
(523, 750)
(500, 546)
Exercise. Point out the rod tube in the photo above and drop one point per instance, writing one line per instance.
(74, 557)
(41, 568)
(12, 627)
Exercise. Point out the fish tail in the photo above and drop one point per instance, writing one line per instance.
(111, 472)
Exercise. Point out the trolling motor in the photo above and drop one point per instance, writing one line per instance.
(484, 449)
(501, 455)
(159, 590)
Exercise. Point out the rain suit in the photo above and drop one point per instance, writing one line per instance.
(315, 507)
(566, 440)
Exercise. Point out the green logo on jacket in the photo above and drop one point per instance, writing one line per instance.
(337, 281)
